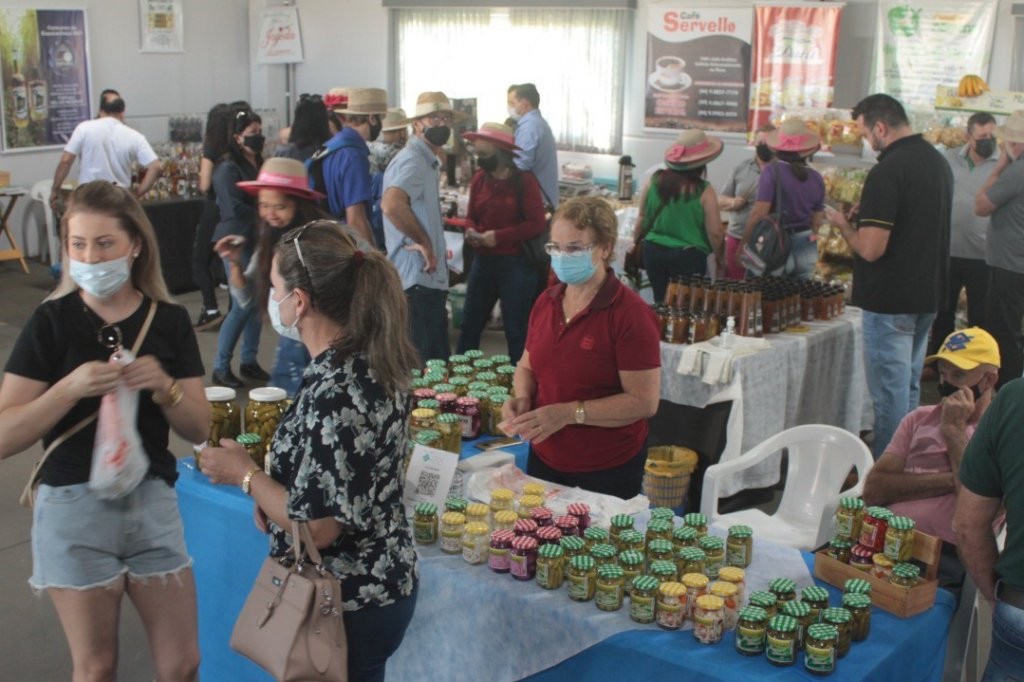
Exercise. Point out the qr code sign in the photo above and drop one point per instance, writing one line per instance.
(427, 483)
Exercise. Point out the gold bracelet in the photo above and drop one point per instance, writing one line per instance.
(174, 396)
(247, 479)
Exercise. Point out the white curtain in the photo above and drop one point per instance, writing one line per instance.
(576, 58)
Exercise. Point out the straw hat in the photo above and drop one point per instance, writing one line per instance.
(394, 120)
(693, 148)
(1013, 131)
(433, 102)
(336, 98)
(794, 136)
(284, 175)
(364, 102)
(497, 133)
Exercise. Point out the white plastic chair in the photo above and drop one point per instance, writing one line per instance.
(820, 457)
(41, 193)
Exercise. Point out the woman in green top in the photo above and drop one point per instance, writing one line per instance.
(679, 223)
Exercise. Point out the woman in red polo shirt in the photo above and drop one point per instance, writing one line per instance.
(590, 376)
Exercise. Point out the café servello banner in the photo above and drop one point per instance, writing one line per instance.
(698, 66)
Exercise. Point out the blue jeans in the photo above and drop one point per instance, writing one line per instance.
(374, 634)
(803, 256)
(1006, 659)
(290, 361)
(240, 322)
(510, 279)
(894, 350)
(663, 263)
(428, 321)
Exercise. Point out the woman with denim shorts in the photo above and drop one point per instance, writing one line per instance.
(87, 552)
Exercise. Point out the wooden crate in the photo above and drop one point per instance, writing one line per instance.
(895, 599)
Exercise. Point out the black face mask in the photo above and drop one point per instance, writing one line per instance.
(254, 142)
(437, 135)
(946, 390)
(375, 130)
(488, 163)
(985, 148)
(764, 152)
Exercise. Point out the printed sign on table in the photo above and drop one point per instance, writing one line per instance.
(429, 476)
(698, 67)
(794, 58)
(279, 40)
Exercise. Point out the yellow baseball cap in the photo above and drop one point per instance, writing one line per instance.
(967, 349)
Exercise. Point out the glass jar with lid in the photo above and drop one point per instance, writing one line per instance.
(619, 523)
(447, 400)
(497, 402)
(873, 528)
(435, 365)
(899, 538)
(658, 529)
(663, 514)
(253, 445)
(505, 520)
(690, 560)
(780, 644)
(460, 385)
(684, 536)
(905, 575)
(425, 523)
(861, 558)
(881, 566)
(573, 546)
(582, 578)
(498, 559)
(642, 597)
(784, 589)
(842, 620)
(488, 377)
(226, 417)
(751, 629)
(738, 577)
(766, 601)
(477, 512)
(708, 619)
(527, 503)
(696, 586)
(714, 554)
(697, 521)
(659, 549)
(422, 419)
(631, 539)
(475, 543)
(849, 516)
(456, 504)
(450, 427)
(610, 587)
(263, 413)
(739, 546)
(429, 404)
(857, 586)
(542, 516)
(632, 563)
(523, 558)
(670, 610)
(815, 597)
(595, 536)
(453, 527)
(859, 606)
(535, 489)
(840, 549)
(664, 571)
(605, 554)
(727, 592)
(548, 535)
(802, 613)
(501, 500)
(468, 410)
(505, 375)
(820, 655)
(580, 510)
(550, 566)
(525, 528)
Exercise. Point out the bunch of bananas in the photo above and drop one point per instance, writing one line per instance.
(972, 86)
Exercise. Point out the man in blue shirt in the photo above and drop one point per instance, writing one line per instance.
(346, 158)
(538, 154)
(413, 228)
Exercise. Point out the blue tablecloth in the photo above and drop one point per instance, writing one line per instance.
(228, 551)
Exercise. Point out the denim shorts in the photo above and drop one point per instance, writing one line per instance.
(80, 541)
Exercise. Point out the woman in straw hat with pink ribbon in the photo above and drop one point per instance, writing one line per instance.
(803, 194)
(506, 209)
(679, 224)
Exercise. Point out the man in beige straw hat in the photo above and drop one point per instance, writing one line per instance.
(413, 229)
(341, 168)
(1002, 198)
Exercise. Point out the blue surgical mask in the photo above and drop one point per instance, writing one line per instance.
(274, 311)
(102, 280)
(573, 269)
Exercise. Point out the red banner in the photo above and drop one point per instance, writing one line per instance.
(794, 59)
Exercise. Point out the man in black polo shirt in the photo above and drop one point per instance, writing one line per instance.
(901, 265)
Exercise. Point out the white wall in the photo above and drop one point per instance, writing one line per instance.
(214, 68)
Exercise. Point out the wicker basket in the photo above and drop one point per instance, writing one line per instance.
(667, 474)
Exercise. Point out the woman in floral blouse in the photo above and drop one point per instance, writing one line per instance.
(336, 459)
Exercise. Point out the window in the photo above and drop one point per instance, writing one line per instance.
(575, 57)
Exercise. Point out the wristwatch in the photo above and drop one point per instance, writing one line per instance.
(247, 479)
(580, 415)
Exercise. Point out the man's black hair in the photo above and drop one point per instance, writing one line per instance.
(880, 107)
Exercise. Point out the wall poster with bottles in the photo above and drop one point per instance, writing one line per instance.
(44, 61)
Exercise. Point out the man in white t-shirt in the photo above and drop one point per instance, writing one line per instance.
(107, 148)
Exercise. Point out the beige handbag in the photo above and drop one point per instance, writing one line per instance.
(28, 494)
(291, 623)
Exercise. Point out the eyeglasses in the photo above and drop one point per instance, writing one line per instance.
(439, 118)
(551, 248)
(294, 238)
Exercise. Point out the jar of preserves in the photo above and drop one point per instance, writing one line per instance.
(475, 543)
(447, 401)
(861, 558)
(658, 529)
(581, 510)
(751, 629)
(569, 525)
(738, 577)
(872, 530)
(684, 536)
(815, 597)
(505, 520)
(690, 560)
(766, 601)
(670, 609)
(849, 517)
(468, 410)
(253, 445)
(696, 586)
(459, 359)
(226, 418)
(780, 644)
(525, 528)
(663, 514)
(482, 365)
(500, 359)
(727, 592)
(605, 554)
(450, 427)
(784, 589)
(474, 354)
(899, 538)
(437, 365)
(708, 619)
(263, 413)
(664, 571)
(460, 386)
(523, 558)
(550, 567)
(422, 419)
(425, 523)
(488, 377)
(857, 586)
(820, 656)
(542, 516)
(882, 567)
(841, 619)
(535, 489)
(859, 606)
(573, 546)
(659, 549)
(582, 578)
(619, 523)
(498, 552)
(479, 386)
(429, 404)
(497, 402)
(609, 591)
(477, 512)
(506, 373)
(802, 613)
(549, 535)
(484, 400)
(527, 504)
(501, 500)
(714, 554)
(739, 548)
(840, 549)
(632, 562)
(905, 575)
(421, 382)
(453, 527)
(594, 536)
(463, 370)
(697, 521)
(632, 539)
(642, 598)
(456, 504)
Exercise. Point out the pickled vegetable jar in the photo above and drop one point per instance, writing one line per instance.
(708, 619)
(263, 413)
(642, 597)
(582, 578)
(820, 656)
(780, 645)
(610, 588)
(425, 523)
(550, 567)
(226, 417)
(670, 610)
(739, 548)
(751, 629)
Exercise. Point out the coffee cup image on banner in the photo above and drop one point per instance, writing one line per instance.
(668, 74)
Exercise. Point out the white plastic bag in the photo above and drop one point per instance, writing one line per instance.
(118, 461)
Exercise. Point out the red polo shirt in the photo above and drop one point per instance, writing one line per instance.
(581, 361)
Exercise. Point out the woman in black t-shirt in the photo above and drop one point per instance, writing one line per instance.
(88, 552)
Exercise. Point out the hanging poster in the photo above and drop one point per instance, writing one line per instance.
(279, 40)
(794, 58)
(922, 45)
(698, 67)
(44, 59)
(160, 26)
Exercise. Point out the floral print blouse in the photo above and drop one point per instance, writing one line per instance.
(339, 451)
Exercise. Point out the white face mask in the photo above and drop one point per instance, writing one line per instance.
(102, 280)
(274, 311)
(513, 114)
